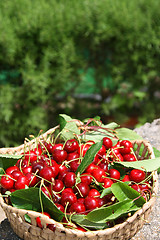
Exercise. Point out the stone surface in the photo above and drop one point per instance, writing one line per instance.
(150, 230)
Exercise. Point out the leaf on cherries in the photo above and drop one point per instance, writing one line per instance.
(112, 212)
(89, 157)
(147, 165)
(68, 127)
(124, 192)
(127, 134)
(8, 160)
(29, 199)
(80, 220)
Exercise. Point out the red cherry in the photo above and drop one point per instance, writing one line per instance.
(52, 227)
(9, 170)
(90, 168)
(117, 145)
(137, 175)
(74, 165)
(46, 173)
(114, 174)
(33, 155)
(7, 182)
(107, 142)
(136, 187)
(67, 190)
(62, 175)
(71, 145)
(27, 169)
(129, 157)
(145, 186)
(103, 166)
(38, 220)
(68, 198)
(86, 178)
(96, 159)
(101, 151)
(56, 197)
(62, 169)
(57, 146)
(98, 174)
(49, 147)
(126, 178)
(82, 189)
(94, 193)
(118, 157)
(72, 156)
(113, 152)
(126, 147)
(55, 168)
(21, 182)
(70, 179)
(107, 182)
(60, 207)
(83, 148)
(80, 200)
(33, 180)
(22, 163)
(47, 191)
(59, 155)
(58, 185)
(91, 203)
(101, 201)
(81, 229)
(37, 166)
(15, 174)
(77, 207)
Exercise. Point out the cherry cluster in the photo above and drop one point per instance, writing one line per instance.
(53, 168)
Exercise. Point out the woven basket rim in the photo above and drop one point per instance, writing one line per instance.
(60, 226)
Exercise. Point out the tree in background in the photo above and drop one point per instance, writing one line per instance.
(52, 49)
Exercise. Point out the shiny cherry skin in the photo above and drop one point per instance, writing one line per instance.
(59, 155)
(98, 174)
(77, 208)
(21, 182)
(46, 173)
(9, 170)
(70, 179)
(82, 189)
(7, 182)
(69, 198)
(114, 174)
(107, 182)
(91, 203)
(71, 145)
(129, 157)
(125, 147)
(137, 175)
(107, 142)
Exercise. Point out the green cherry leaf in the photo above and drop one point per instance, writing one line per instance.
(29, 199)
(8, 160)
(147, 165)
(127, 134)
(124, 192)
(68, 127)
(104, 214)
(89, 157)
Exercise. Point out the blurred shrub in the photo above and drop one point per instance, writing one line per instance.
(48, 47)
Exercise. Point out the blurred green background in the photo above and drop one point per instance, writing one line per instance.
(82, 58)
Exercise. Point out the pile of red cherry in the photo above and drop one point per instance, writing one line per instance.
(53, 168)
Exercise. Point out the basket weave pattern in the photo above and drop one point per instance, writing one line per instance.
(121, 231)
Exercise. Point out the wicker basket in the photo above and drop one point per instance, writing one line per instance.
(121, 231)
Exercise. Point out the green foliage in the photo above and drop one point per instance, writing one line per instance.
(55, 47)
